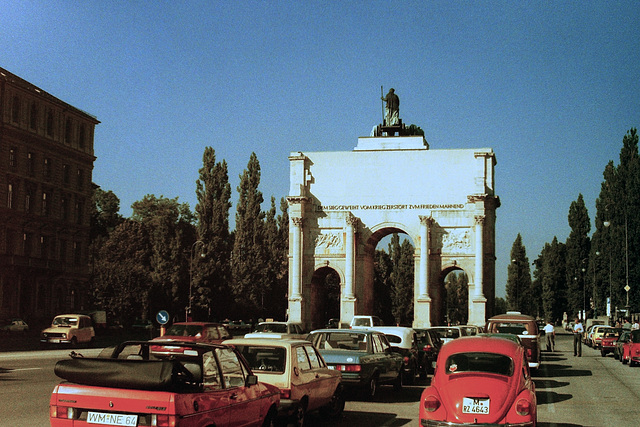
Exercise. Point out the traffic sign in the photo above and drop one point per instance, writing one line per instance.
(162, 317)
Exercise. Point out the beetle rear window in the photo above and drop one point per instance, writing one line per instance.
(491, 363)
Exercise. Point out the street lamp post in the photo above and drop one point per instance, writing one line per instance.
(188, 309)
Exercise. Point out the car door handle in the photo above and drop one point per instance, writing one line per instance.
(233, 396)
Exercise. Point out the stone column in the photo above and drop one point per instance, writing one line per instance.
(423, 281)
(479, 223)
(350, 249)
(296, 285)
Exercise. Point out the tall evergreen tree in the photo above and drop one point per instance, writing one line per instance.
(578, 247)
(401, 256)
(273, 292)
(211, 274)
(457, 289)
(554, 280)
(248, 261)
(519, 279)
(382, 285)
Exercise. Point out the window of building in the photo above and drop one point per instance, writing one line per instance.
(65, 174)
(49, 123)
(79, 211)
(10, 196)
(63, 250)
(45, 203)
(82, 136)
(45, 247)
(77, 253)
(10, 241)
(64, 207)
(31, 166)
(80, 179)
(27, 244)
(46, 168)
(13, 160)
(15, 109)
(28, 201)
(33, 116)
(67, 131)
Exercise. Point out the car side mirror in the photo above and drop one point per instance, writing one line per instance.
(251, 380)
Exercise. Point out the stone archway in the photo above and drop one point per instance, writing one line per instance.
(325, 296)
(340, 202)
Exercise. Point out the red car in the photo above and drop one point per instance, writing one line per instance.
(212, 333)
(608, 341)
(480, 380)
(631, 349)
(205, 385)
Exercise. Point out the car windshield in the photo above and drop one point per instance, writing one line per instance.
(491, 363)
(278, 328)
(515, 328)
(448, 332)
(361, 321)
(184, 330)
(65, 321)
(341, 340)
(264, 359)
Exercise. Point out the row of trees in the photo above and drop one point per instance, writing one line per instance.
(166, 257)
(584, 273)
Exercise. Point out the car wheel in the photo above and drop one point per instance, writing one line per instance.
(74, 342)
(631, 363)
(270, 418)
(603, 353)
(397, 384)
(336, 406)
(372, 388)
(298, 417)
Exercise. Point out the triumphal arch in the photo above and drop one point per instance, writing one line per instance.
(341, 204)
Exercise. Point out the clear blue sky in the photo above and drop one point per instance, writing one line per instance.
(552, 87)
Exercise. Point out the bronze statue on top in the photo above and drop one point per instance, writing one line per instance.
(392, 109)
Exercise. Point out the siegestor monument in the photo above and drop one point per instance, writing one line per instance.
(341, 204)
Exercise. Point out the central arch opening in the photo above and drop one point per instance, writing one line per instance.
(389, 276)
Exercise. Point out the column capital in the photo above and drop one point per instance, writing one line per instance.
(479, 219)
(297, 221)
(297, 200)
(426, 220)
(351, 219)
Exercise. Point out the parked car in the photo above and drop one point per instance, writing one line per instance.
(449, 333)
(429, 344)
(598, 333)
(405, 341)
(472, 329)
(480, 380)
(363, 321)
(14, 325)
(204, 385)
(524, 327)
(608, 343)
(277, 330)
(72, 329)
(294, 366)
(631, 349)
(364, 357)
(181, 332)
(618, 351)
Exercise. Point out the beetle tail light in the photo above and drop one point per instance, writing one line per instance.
(285, 393)
(431, 403)
(426, 347)
(523, 407)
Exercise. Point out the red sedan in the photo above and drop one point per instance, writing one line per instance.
(480, 380)
(631, 349)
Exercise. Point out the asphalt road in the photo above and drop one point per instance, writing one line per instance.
(572, 391)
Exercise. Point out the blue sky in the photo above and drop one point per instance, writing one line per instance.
(552, 87)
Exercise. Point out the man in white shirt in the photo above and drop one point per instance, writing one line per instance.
(577, 338)
(550, 336)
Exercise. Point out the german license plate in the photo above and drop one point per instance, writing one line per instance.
(112, 419)
(472, 405)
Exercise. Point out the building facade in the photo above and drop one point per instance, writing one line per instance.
(341, 204)
(46, 164)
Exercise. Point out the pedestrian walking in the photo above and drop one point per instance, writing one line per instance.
(577, 337)
(550, 336)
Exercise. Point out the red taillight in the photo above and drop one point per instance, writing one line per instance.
(348, 368)
(523, 407)
(431, 403)
(163, 420)
(285, 393)
(65, 412)
(406, 360)
(529, 353)
(426, 348)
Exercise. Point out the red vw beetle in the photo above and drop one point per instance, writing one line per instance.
(480, 380)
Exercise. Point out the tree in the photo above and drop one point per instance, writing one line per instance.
(211, 275)
(578, 246)
(457, 289)
(382, 285)
(248, 261)
(552, 266)
(122, 280)
(169, 225)
(402, 280)
(519, 279)
(273, 293)
(105, 213)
